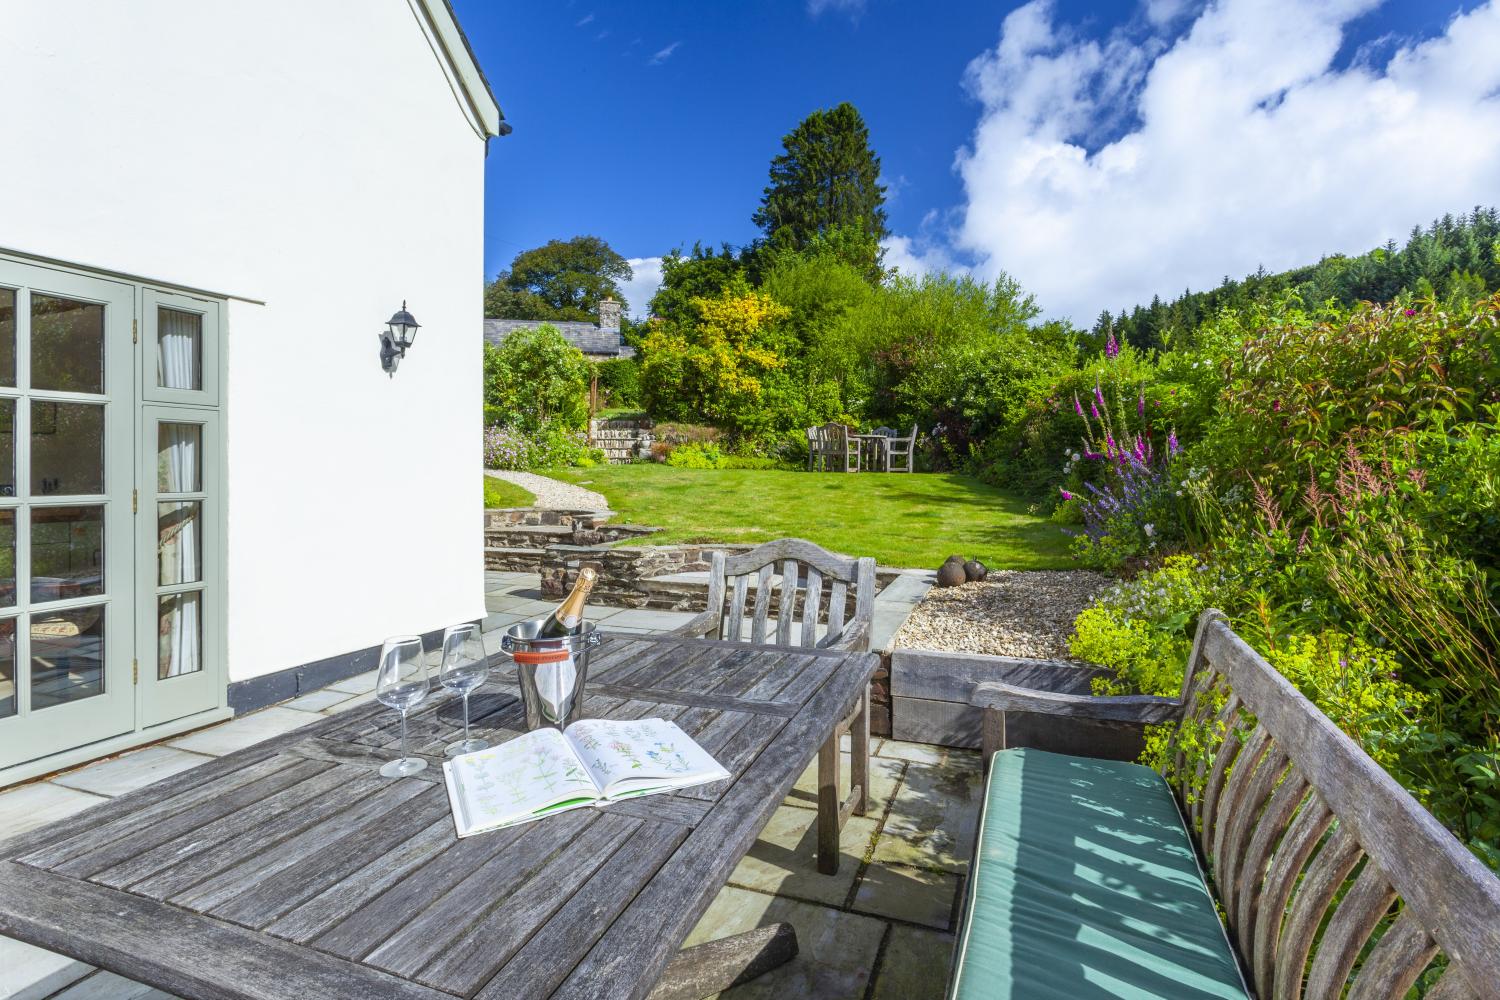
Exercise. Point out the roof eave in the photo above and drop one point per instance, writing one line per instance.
(460, 56)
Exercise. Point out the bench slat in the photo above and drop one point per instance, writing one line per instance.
(1254, 868)
(1395, 963)
(1325, 875)
(1357, 916)
(1232, 806)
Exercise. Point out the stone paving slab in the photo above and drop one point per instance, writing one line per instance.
(358, 684)
(245, 731)
(934, 819)
(30, 806)
(317, 701)
(130, 771)
(913, 895)
(914, 965)
(784, 858)
(108, 986)
(30, 973)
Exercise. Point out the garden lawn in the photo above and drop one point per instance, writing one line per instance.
(499, 493)
(908, 521)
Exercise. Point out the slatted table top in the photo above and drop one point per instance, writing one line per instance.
(293, 870)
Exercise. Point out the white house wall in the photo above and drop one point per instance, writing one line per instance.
(310, 155)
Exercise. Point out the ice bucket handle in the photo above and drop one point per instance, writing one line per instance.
(540, 655)
(511, 644)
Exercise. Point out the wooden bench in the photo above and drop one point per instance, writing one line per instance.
(1332, 879)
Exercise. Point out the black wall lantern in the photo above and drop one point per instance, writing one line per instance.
(400, 333)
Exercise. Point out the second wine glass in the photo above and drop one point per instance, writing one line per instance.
(465, 667)
(402, 684)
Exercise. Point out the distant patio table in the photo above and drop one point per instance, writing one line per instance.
(292, 871)
(873, 445)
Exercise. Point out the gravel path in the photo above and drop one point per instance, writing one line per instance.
(553, 494)
(1011, 613)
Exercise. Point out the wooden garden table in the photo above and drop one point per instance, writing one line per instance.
(292, 870)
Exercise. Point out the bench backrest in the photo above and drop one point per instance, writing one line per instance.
(805, 570)
(1328, 871)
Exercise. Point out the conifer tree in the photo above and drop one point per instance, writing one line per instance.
(827, 176)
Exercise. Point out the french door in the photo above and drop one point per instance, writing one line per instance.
(108, 510)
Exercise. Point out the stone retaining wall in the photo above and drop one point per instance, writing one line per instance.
(624, 570)
(622, 441)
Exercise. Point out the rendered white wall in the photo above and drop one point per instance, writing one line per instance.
(309, 154)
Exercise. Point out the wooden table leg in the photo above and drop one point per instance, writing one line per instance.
(828, 806)
(859, 756)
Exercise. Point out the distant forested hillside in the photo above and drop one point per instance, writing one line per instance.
(1456, 256)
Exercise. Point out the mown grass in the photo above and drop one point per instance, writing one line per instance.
(908, 521)
(499, 493)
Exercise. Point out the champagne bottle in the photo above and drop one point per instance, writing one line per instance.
(567, 618)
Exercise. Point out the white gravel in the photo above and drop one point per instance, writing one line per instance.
(1010, 613)
(552, 494)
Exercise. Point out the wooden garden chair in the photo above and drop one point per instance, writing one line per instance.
(842, 447)
(901, 448)
(800, 569)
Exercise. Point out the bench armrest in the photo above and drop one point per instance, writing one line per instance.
(698, 627)
(1138, 708)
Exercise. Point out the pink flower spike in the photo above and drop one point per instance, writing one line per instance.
(1065, 494)
(1140, 406)
(1093, 409)
(1098, 392)
(1077, 405)
(1172, 446)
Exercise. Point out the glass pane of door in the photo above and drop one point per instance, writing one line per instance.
(180, 551)
(67, 418)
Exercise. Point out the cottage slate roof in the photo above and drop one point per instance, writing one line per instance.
(592, 340)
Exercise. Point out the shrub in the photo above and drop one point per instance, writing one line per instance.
(697, 456)
(536, 377)
(620, 381)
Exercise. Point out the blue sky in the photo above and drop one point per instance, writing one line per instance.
(1042, 139)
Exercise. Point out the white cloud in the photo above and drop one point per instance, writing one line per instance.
(916, 256)
(1105, 170)
(854, 8)
(662, 55)
(587, 18)
(639, 289)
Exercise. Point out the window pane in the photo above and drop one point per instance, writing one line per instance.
(179, 349)
(7, 558)
(7, 667)
(7, 447)
(179, 635)
(7, 336)
(179, 546)
(67, 552)
(179, 457)
(67, 448)
(67, 656)
(67, 344)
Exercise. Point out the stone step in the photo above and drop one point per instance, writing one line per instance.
(513, 559)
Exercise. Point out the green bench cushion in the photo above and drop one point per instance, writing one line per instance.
(1085, 885)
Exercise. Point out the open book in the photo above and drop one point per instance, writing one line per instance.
(593, 761)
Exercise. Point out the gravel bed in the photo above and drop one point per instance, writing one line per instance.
(1010, 613)
(552, 494)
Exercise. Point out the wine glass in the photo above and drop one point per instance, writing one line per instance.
(402, 685)
(465, 666)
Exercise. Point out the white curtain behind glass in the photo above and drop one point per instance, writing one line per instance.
(179, 473)
(178, 335)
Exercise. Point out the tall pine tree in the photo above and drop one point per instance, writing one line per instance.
(828, 176)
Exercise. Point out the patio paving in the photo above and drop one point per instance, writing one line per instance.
(882, 928)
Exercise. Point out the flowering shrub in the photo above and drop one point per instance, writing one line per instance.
(1133, 510)
(548, 446)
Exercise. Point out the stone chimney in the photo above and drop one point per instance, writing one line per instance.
(609, 314)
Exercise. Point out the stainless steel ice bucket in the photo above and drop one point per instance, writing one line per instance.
(551, 672)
